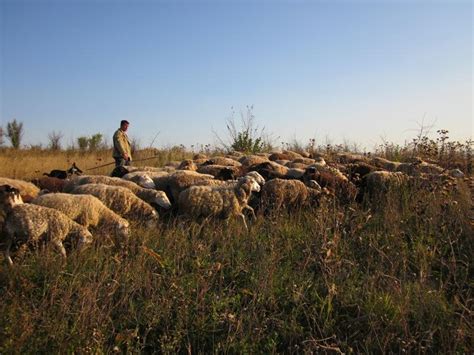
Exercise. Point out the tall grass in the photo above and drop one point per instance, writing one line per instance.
(31, 163)
(394, 275)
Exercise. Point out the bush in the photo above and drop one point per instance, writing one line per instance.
(15, 133)
(247, 137)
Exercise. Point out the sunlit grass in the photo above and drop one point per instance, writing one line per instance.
(389, 276)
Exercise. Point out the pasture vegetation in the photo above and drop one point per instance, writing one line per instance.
(392, 275)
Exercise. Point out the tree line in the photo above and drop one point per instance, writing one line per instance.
(14, 131)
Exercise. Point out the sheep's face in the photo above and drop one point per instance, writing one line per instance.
(314, 185)
(10, 196)
(257, 177)
(84, 237)
(254, 185)
(17, 200)
(456, 173)
(123, 229)
(146, 182)
(152, 219)
(162, 200)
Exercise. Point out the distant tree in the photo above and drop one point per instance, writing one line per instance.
(83, 143)
(15, 133)
(91, 143)
(55, 140)
(95, 141)
(1, 136)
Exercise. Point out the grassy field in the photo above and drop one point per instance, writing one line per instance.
(394, 275)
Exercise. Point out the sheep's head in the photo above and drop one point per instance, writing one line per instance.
(161, 199)
(314, 185)
(123, 229)
(145, 181)
(187, 164)
(82, 237)
(10, 196)
(456, 173)
(151, 219)
(249, 183)
(257, 177)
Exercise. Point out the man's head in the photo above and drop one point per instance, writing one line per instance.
(124, 125)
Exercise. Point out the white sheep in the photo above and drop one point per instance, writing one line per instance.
(88, 211)
(148, 195)
(122, 201)
(219, 201)
(213, 182)
(29, 225)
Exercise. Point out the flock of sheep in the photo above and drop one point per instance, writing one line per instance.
(65, 209)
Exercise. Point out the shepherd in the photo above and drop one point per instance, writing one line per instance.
(122, 150)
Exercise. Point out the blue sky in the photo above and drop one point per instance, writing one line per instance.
(338, 70)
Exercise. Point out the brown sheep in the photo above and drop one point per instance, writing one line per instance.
(378, 183)
(293, 165)
(350, 158)
(222, 161)
(305, 161)
(385, 164)
(278, 193)
(174, 183)
(270, 170)
(251, 160)
(187, 164)
(51, 184)
(334, 181)
(293, 155)
(279, 156)
(200, 156)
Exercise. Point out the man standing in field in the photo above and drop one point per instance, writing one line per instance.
(122, 151)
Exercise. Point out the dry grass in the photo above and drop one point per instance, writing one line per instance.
(394, 276)
(30, 164)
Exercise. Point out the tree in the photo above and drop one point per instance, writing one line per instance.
(83, 143)
(1, 136)
(91, 143)
(55, 140)
(95, 141)
(15, 133)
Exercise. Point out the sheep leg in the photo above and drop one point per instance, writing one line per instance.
(247, 207)
(243, 220)
(8, 258)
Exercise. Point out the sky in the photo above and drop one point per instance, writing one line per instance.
(336, 71)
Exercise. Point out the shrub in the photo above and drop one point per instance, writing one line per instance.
(247, 137)
(15, 133)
